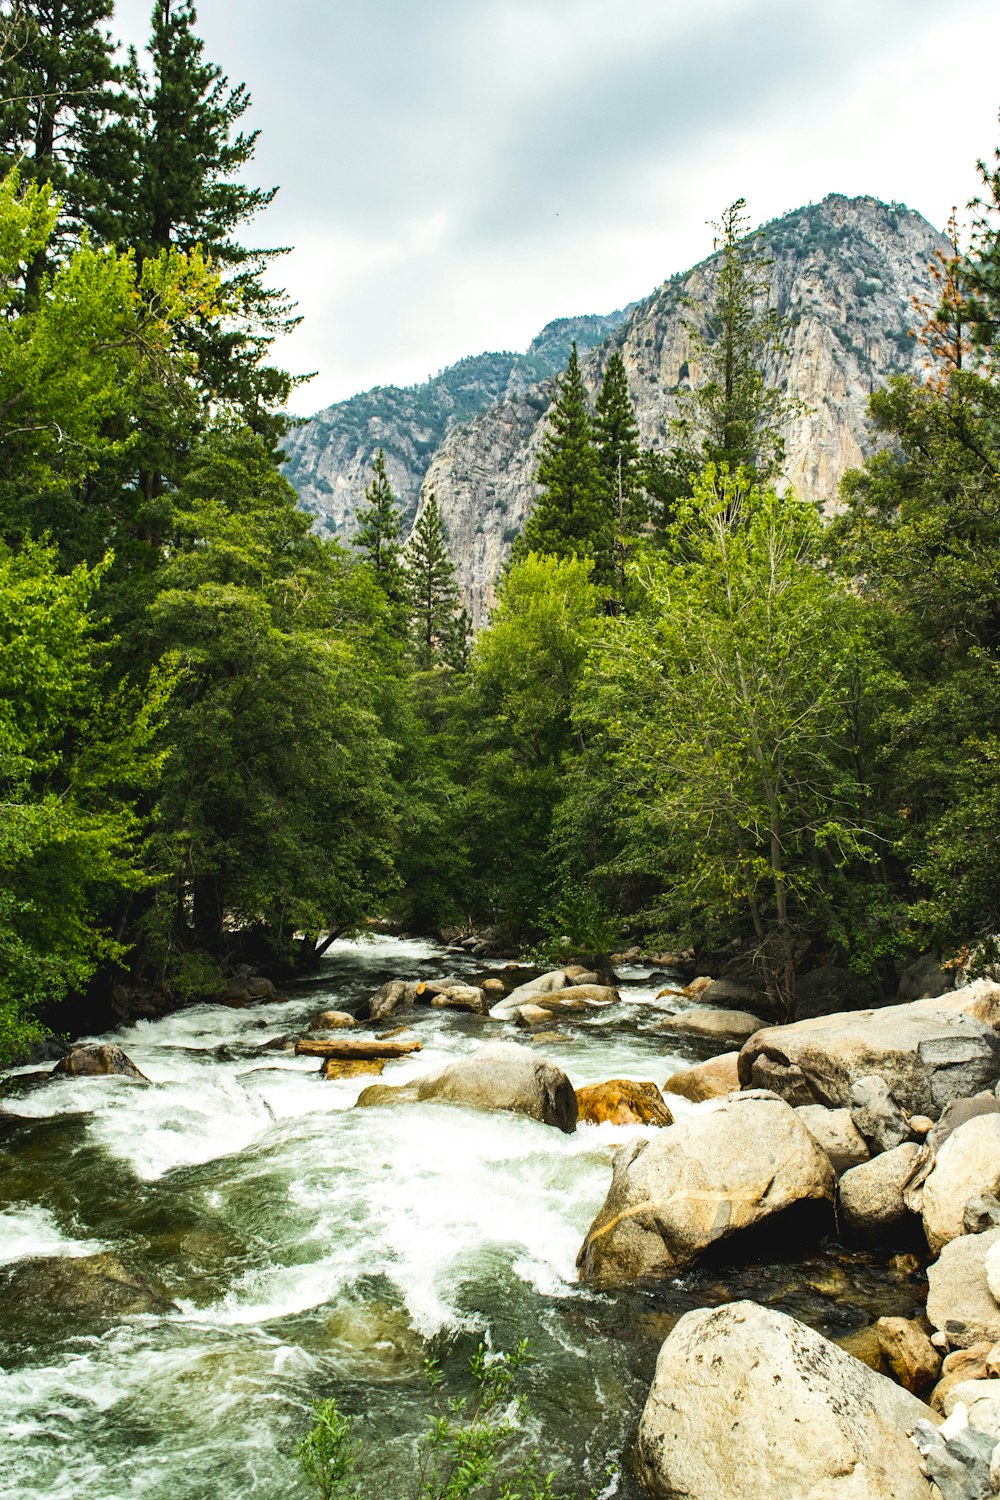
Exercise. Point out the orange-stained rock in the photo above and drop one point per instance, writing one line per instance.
(335, 1067)
(621, 1101)
(909, 1353)
(708, 1080)
(698, 986)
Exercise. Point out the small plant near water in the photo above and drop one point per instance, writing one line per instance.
(468, 1450)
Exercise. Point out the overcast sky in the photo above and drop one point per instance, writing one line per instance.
(455, 173)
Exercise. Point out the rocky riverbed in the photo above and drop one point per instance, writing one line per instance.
(188, 1263)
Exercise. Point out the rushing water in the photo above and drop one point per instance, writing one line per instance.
(312, 1250)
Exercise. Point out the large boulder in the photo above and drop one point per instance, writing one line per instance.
(829, 990)
(909, 1353)
(57, 1286)
(959, 1302)
(748, 1404)
(500, 1075)
(727, 1027)
(967, 1165)
(871, 1195)
(877, 1115)
(835, 1132)
(924, 979)
(544, 984)
(622, 1101)
(926, 1055)
(101, 1059)
(710, 1177)
(707, 1080)
(390, 997)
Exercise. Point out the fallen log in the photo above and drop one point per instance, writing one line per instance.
(354, 1049)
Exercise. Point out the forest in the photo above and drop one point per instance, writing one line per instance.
(698, 713)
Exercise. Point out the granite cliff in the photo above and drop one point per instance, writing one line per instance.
(845, 272)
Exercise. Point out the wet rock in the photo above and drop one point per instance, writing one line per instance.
(533, 1016)
(578, 975)
(331, 1020)
(499, 1076)
(285, 1043)
(621, 1101)
(98, 1059)
(732, 994)
(338, 1067)
(926, 1056)
(746, 1402)
(454, 996)
(835, 1132)
(829, 990)
(877, 1115)
(713, 1176)
(63, 1285)
(863, 1344)
(722, 1026)
(391, 997)
(967, 1165)
(707, 1080)
(697, 987)
(909, 1353)
(871, 1195)
(924, 979)
(492, 987)
(959, 1302)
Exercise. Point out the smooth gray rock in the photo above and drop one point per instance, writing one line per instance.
(392, 996)
(924, 979)
(877, 1115)
(926, 1055)
(715, 1174)
(835, 1132)
(966, 1166)
(960, 1466)
(871, 1195)
(748, 1404)
(727, 1027)
(500, 1075)
(959, 1302)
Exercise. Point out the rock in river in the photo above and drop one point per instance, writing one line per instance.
(708, 1080)
(926, 1055)
(727, 1027)
(748, 1404)
(61, 1285)
(100, 1059)
(500, 1075)
(621, 1101)
(710, 1177)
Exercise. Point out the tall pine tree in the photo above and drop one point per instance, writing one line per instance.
(169, 167)
(620, 460)
(570, 517)
(433, 593)
(378, 533)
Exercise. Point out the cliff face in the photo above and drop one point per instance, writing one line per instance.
(845, 271)
(330, 456)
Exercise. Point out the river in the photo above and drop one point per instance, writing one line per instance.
(314, 1250)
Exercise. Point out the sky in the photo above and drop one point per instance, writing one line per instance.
(455, 173)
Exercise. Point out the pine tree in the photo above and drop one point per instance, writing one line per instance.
(58, 71)
(733, 418)
(378, 533)
(170, 166)
(570, 518)
(620, 460)
(432, 590)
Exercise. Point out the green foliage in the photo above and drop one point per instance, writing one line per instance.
(377, 536)
(570, 517)
(432, 591)
(474, 1447)
(732, 417)
(728, 706)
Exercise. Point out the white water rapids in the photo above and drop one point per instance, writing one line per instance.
(314, 1250)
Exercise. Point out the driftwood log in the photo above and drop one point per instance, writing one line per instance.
(354, 1049)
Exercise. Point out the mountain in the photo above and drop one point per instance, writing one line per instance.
(330, 456)
(845, 272)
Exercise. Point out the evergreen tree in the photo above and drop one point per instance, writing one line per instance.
(169, 172)
(570, 517)
(58, 73)
(377, 536)
(431, 585)
(620, 460)
(733, 417)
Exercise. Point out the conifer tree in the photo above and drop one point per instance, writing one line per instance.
(620, 460)
(570, 518)
(433, 593)
(169, 168)
(378, 532)
(733, 417)
(58, 72)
